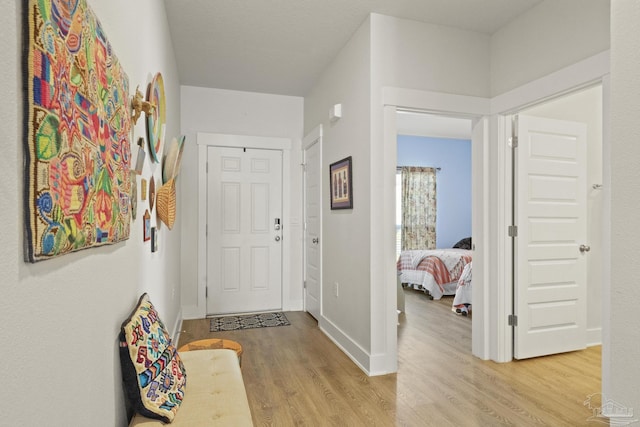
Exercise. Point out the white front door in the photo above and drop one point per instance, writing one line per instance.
(312, 220)
(244, 230)
(550, 213)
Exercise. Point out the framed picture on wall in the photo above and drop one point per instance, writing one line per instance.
(341, 187)
(154, 239)
(146, 225)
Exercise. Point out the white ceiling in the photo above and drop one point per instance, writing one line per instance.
(282, 46)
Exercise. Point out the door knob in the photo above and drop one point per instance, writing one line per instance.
(585, 248)
(315, 240)
(277, 238)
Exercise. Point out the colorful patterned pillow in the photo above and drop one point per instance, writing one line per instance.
(153, 374)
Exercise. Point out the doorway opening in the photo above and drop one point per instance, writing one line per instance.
(434, 230)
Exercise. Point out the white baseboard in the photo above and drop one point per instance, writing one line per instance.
(349, 347)
(191, 312)
(594, 337)
(293, 305)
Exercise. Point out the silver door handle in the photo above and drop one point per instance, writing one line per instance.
(277, 238)
(585, 248)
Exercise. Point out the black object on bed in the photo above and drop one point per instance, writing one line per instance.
(463, 244)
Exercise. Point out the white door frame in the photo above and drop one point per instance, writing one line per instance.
(494, 340)
(313, 137)
(204, 140)
(477, 109)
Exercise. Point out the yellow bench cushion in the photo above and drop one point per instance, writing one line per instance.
(216, 395)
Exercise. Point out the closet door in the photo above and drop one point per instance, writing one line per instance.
(551, 251)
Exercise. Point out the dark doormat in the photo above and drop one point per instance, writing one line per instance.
(248, 321)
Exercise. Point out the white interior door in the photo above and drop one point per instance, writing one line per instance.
(244, 230)
(312, 220)
(550, 268)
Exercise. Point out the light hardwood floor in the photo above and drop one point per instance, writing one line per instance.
(295, 376)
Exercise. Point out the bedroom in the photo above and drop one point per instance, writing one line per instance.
(444, 145)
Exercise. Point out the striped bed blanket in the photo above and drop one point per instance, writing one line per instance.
(432, 270)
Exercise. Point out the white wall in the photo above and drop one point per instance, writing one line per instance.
(60, 319)
(552, 35)
(239, 113)
(586, 107)
(345, 237)
(621, 350)
(411, 54)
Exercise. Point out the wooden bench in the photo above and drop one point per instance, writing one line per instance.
(215, 393)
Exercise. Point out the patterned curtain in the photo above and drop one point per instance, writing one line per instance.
(418, 208)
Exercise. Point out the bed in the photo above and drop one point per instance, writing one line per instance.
(462, 299)
(436, 271)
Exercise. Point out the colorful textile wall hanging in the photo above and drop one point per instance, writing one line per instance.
(77, 124)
